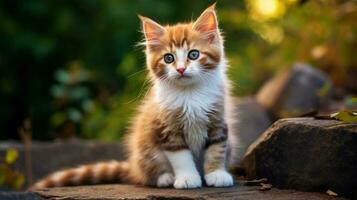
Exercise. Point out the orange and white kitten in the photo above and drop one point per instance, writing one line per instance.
(180, 132)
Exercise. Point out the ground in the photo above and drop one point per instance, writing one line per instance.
(120, 191)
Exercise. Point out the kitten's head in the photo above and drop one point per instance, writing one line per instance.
(184, 54)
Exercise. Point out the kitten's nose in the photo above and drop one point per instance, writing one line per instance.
(180, 70)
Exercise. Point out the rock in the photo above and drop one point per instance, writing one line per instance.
(306, 154)
(113, 192)
(48, 157)
(252, 121)
(296, 91)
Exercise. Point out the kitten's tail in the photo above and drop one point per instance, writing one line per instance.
(102, 172)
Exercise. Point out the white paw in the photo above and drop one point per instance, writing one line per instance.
(165, 180)
(219, 178)
(187, 181)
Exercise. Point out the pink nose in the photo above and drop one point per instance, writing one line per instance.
(181, 70)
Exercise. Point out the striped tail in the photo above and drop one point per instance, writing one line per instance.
(102, 172)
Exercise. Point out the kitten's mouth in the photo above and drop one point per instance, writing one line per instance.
(184, 77)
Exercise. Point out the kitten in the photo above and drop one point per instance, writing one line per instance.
(180, 132)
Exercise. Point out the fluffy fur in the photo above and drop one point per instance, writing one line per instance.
(180, 132)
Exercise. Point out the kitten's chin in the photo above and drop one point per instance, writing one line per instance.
(184, 81)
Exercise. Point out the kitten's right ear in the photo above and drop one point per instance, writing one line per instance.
(207, 23)
(151, 29)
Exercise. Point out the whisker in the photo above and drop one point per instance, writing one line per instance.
(143, 87)
(135, 73)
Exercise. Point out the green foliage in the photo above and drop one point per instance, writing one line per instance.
(8, 176)
(351, 102)
(74, 68)
(11, 156)
(346, 116)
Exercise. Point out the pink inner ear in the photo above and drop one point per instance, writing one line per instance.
(206, 23)
(152, 31)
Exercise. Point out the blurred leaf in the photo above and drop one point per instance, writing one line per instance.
(11, 178)
(351, 102)
(346, 116)
(18, 181)
(3, 171)
(78, 92)
(11, 156)
(58, 91)
(58, 118)
(62, 76)
(75, 115)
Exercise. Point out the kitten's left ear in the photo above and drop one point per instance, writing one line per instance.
(207, 23)
(151, 29)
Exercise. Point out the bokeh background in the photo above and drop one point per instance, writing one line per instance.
(72, 68)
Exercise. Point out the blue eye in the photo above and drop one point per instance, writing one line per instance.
(169, 58)
(193, 54)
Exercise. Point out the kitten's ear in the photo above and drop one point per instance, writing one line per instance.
(151, 29)
(207, 23)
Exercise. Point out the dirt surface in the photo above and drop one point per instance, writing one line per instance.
(120, 191)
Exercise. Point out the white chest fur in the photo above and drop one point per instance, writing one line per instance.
(195, 103)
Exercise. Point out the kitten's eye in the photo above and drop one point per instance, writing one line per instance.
(169, 58)
(193, 54)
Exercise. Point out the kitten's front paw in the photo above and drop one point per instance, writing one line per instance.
(188, 181)
(219, 178)
(165, 180)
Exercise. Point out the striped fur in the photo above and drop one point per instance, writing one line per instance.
(102, 172)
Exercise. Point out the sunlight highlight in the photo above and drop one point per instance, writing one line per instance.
(263, 10)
